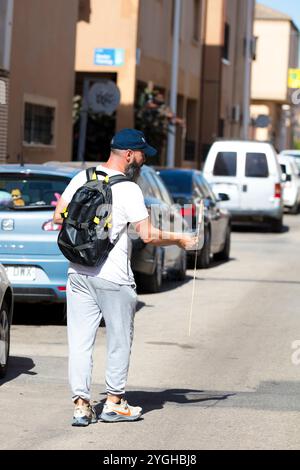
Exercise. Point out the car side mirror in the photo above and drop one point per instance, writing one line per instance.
(222, 197)
(285, 178)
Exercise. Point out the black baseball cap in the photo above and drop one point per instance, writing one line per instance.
(132, 139)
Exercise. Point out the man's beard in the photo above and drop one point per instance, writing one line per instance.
(133, 171)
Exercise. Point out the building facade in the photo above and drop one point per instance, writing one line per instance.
(277, 51)
(144, 39)
(226, 71)
(213, 98)
(41, 80)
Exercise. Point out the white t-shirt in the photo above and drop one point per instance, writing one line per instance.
(128, 207)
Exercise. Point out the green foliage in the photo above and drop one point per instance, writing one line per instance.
(297, 144)
(153, 117)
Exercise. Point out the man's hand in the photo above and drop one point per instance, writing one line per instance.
(188, 242)
(61, 205)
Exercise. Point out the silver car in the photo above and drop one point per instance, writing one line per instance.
(6, 313)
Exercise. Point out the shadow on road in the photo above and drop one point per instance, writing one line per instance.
(18, 366)
(272, 396)
(258, 228)
(155, 400)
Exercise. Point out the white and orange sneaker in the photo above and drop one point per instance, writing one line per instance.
(120, 412)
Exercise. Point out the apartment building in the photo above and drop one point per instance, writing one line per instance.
(213, 75)
(132, 47)
(225, 84)
(41, 80)
(272, 110)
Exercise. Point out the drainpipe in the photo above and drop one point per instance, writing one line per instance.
(174, 84)
(247, 80)
(8, 34)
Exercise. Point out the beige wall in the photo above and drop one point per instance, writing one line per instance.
(111, 25)
(269, 70)
(42, 70)
(223, 79)
(155, 41)
(277, 51)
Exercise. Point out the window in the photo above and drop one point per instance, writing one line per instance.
(177, 182)
(145, 185)
(31, 191)
(256, 165)
(2, 92)
(165, 196)
(205, 187)
(39, 123)
(190, 150)
(196, 20)
(226, 45)
(225, 164)
(283, 169)
(198, 185)
(254, 47)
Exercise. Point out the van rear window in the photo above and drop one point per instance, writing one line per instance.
(283, 169)
(256, 165)
(225, 164)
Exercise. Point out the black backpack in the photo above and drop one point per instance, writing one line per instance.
(83, 238)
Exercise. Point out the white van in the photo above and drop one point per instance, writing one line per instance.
(250, 174)
(291, 185)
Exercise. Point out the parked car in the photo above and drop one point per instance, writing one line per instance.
(295, 154)
(188, 188)
(291, 183)
(149, 262)
(28, 249)
(28, 237)
(6, 314)
(249, 172)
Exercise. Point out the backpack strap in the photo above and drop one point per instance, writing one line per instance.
(118, 179)
(90, 173)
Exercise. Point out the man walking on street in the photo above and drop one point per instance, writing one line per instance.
(108, 290)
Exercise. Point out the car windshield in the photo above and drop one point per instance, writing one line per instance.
(29, 191)
(177, 181)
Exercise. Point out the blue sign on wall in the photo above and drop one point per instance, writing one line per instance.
(111, 57)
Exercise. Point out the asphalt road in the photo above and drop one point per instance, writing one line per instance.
(231, 385)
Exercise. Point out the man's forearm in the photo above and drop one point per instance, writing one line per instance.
(162, 238)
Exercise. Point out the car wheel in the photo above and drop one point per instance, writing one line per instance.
(295, 209)
(203, 260)
(277, 225)
(152, 283)
(4, 339)
(224, 255)
(180, 275)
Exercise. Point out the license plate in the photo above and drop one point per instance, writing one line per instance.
(20, 273)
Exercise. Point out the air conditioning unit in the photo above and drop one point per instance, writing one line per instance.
(236, 113)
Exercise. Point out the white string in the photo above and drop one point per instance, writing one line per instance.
(201, 214)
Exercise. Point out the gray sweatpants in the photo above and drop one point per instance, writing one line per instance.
(88, 299)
